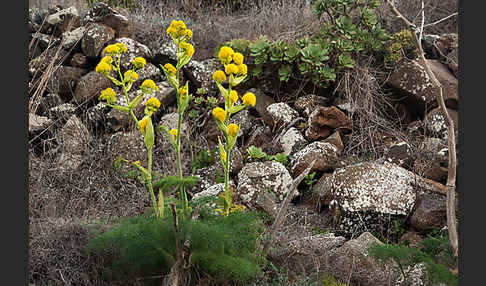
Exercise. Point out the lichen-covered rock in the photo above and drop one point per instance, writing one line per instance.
(213, 190)
(436, 124)
(200, 74)
(47, 102)
(64, 79)
(89, 87)
(74, 137)
(400, 154)
(38, 65)
(282, 114)
(292, 141)
(95, 38)
(411, 78)
(171, 120)
(327, 156)
(38, 123)
(64, 20)
(129, 145)
(117, 120)
(134, 49)
(72, 39)
(351, 262)
(307, 103)
(207, 178)
(369, 195)
(259, 177)
(43, 40)
(149, 71)
(245, 120)
(114, 17)
(79, 61)
(236, 161)
(416, 276)
(324, 120)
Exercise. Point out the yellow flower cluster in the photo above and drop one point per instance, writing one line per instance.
(183, 92)
(113, 49)
(219, 76)
(130, 75)
(143, 123)
(108, 94)
(233, 129)
(149, 84)
(219, 114)
(107, 59)
(177, 30)
(173, 132)
(231, 69)
(170, 68)
(139, 62)
(225, 55)
(233, 96)
(187, 48)
(249, 99)
(103, 68)
(153, 102)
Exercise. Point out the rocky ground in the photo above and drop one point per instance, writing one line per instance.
(373, 167)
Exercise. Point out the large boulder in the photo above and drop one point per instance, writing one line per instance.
(95, 38)
(292, 141)
(89, 87)
(351, 262)
(368, 195)
(411, 78)
(326, 155)
(257, 177)
(430, 212)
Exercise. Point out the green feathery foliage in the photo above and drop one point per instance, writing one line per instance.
(221, 247)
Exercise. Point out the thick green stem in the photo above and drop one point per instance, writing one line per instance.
(149, 182)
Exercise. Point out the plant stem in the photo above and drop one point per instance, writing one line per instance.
(149, 182)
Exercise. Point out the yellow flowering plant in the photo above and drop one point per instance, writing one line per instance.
(180, 34)
(235, 70)
(111, 62)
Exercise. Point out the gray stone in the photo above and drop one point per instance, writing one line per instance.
(63, 20)
(90, 86)
(200, 74)
(430, 212)
(64, 79)
(63, 111)
(134, 49)
(51, 56)
(115, 17)
(307, 103)
(257, 177)
(282, 114)
(95, 38)
(74, 137)
(171, 120)
(129, 145)
(245, 120)
(436, 124)
(71, 39)
(400, 154)
(262, 102)
(38, 123)
(327, 156)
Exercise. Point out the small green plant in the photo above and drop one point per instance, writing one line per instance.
(329, 280)
(407, 257)
(203, 159)
(310, 180)
(258, 154)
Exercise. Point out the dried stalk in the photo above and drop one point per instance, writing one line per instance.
(451, 174)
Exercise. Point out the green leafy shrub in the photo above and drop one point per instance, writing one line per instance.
(407, 257)
(350, 33)
(220, 247)
(401, 44)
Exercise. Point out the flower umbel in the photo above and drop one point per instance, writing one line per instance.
(139, 62)
(231, 69)
(242, 69)
(238, 58)
(183, 92)
(130, 75)
(170, 68)
(225, 55)
(149, 85)
(219, 114)
(233, 129)
(103, 68)
(108, 94)
(233, 96)
(152, 103)
(249, 99)
(143, 123)
(173, 132)
(187, 48)
(219, 76)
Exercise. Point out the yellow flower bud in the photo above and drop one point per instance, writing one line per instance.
(111, 50)
(223, 155)
(238, 58)
(130, 75)
(107, 59)
(170, 68)
(143, 123)
(108, 94)
(219, 76)
(249, 99)
(219, 114)
(233, 96)
(225, 55)
(231, 69)
(149, 84)
(242, 69)
(183, 92)
(122, 48)
(153, 102)
(233, 130)
(103, 68)
(173, 132)
(139, 62)
(187, 48)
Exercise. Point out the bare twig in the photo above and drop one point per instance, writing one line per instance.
(443, 19)
(283, 209)
(451, 174)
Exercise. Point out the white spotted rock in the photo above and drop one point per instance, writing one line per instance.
(327, 156)
(259, 177)
(281, 113)
(134, 49)
(292, 140)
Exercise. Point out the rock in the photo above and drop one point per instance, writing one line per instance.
(63, 111)
(134, 49)
(435, 123)
(129, 145)
(47, 102)
(114, 17)
(351, 262)
(446, 43)
(149, 71)
(324, 120)
(258, 177)
(245, 120)
(452, 61)
(64, 79)
(213, 190)
(366, 195)
(400, 154)
(307, 103)
(335, 139)
(171, 120)
(236, 160)
(166, 53)
(72, 39)
(327, 156)
(90, 86)
(411, 78)
(344, 104)
(430, 212)
(95, 118)
(43, 41)
(40, 64)
(292, 141)
(79, 61)
(260, 136)
(417, 276)
(118, 120)
(200, 74)
(95, 38)
(74, 137)
(37, 124)
(282, 114)
(63, 21)
(262, 102)
(207, 178)
(69, 161)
